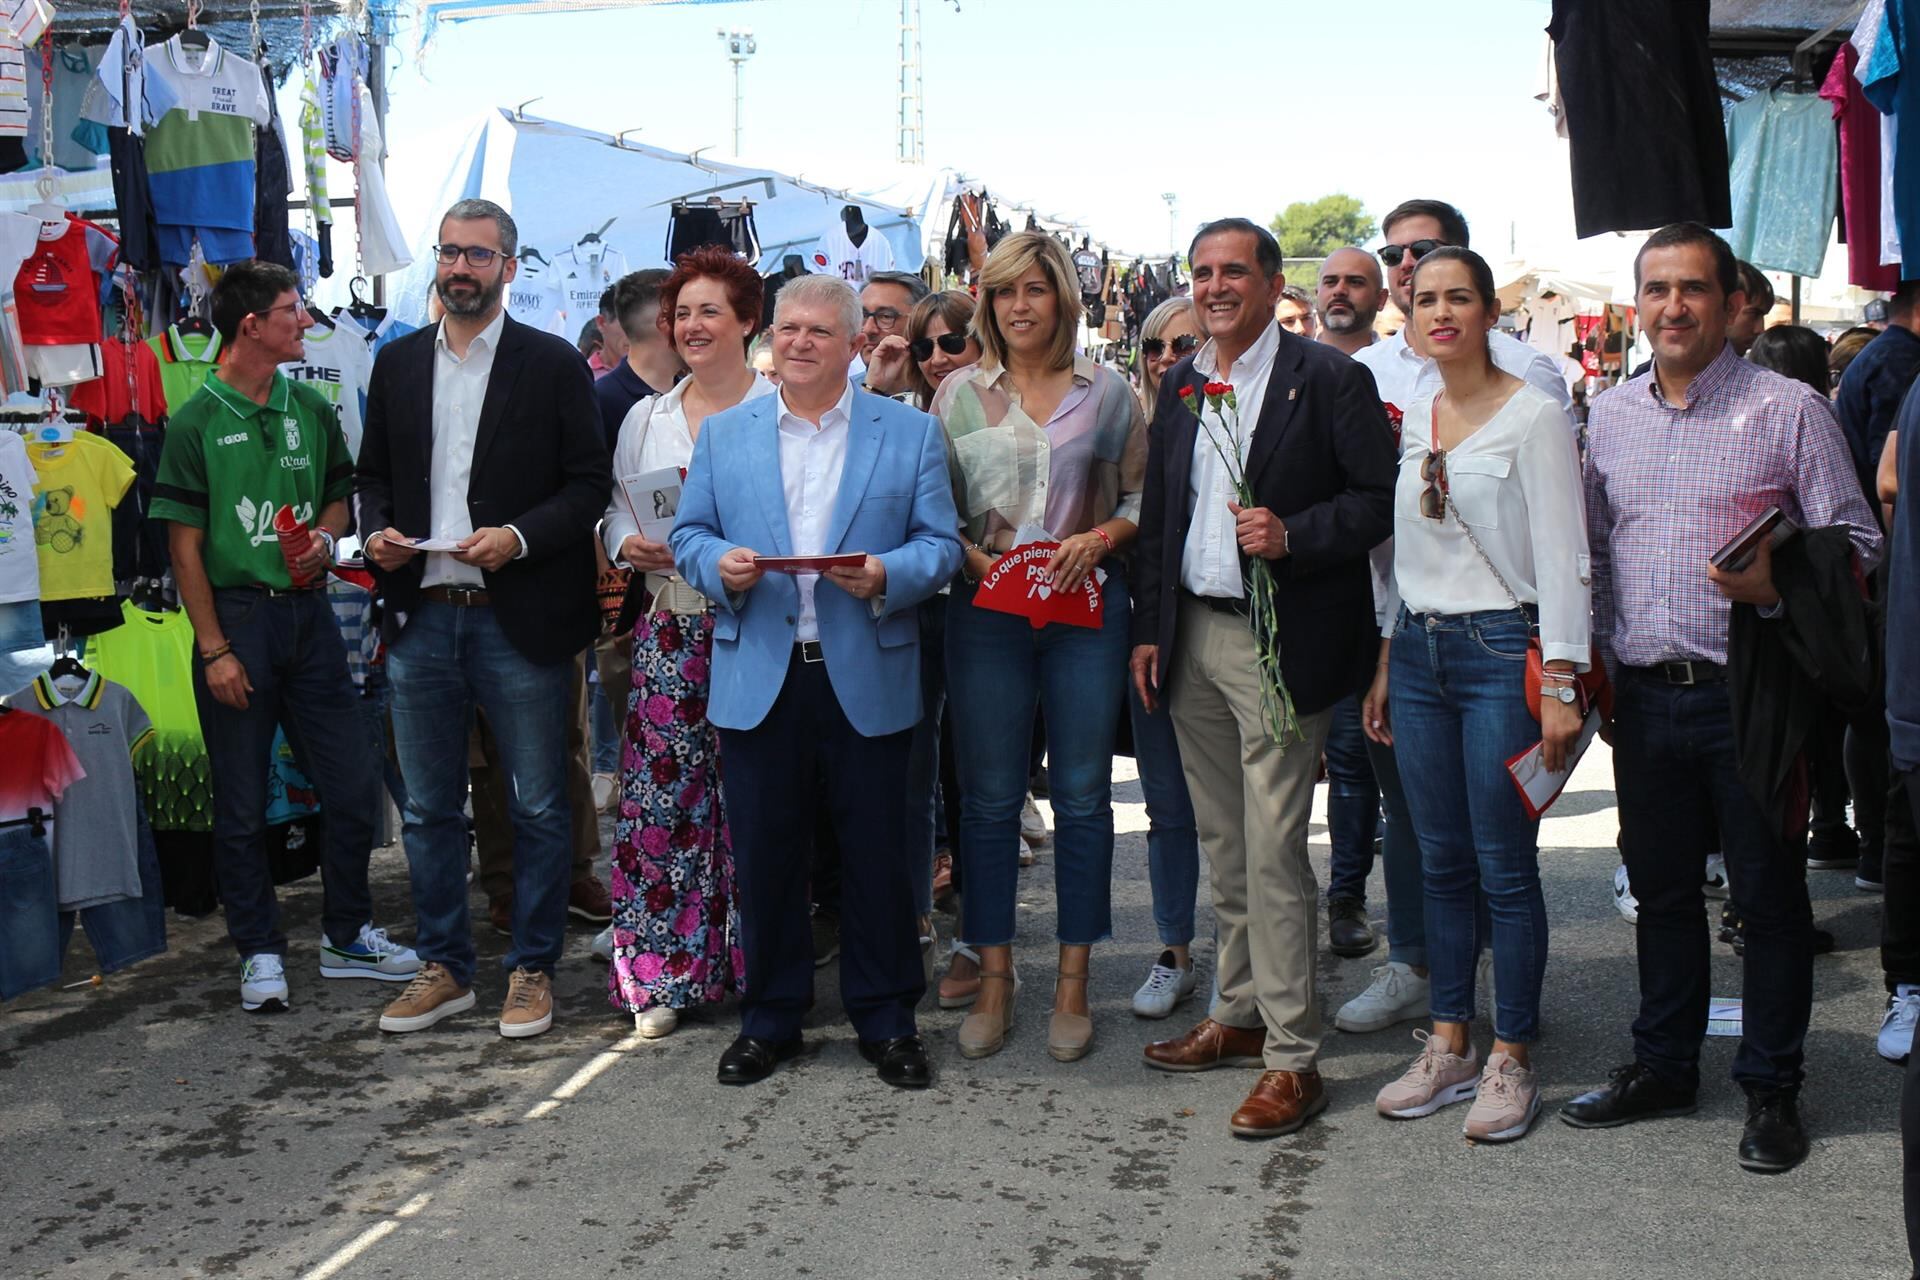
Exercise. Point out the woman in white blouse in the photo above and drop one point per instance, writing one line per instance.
(1489, 544)
(676, 929)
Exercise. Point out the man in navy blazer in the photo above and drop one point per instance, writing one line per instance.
(816, 676)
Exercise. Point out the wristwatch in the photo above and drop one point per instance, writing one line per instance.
(1559, 692)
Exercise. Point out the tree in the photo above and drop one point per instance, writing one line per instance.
(1315, 228)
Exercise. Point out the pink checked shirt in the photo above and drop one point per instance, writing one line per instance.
(1667, 487)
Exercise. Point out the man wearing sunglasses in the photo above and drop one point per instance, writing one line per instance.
(483, 434)
(1414, 229)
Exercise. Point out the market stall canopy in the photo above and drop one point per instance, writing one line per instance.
(560, 182)
(281, 23)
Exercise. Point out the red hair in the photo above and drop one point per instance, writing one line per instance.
(745, 292)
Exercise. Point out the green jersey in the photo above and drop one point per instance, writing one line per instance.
(229, 464)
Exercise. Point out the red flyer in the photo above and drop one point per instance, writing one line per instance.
(1017, 583)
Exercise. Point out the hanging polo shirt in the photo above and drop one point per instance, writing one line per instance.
(185, 361)
(80, 482)
(229, 464)
(96, 830)
(200, 154)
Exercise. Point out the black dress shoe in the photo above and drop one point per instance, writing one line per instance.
(749, 1061)
(901, 1062)
(1348, 932)
(1774, 1141)
(1632, 1093)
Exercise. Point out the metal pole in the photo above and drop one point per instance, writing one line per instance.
(738, 100)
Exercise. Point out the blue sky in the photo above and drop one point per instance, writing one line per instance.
(1084, 108)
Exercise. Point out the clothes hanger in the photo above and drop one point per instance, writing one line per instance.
(193, 37)
(363, 310)
(67, 664)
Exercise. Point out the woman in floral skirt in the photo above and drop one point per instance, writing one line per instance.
(676, 928)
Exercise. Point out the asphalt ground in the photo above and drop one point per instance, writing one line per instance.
(150, 1128)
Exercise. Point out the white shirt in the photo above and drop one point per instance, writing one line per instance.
(811, 460)
(839, 256)
(459, 389)
(1210, 560)
(1403, 377)
(338, 365)
(1516, 481)
(19, 559)
(653, 435)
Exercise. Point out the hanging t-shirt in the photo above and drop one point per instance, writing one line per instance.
(152, 655)
(96, 851)
(338, 365)
(1859, 174)
(534, 298)
(1896, 93)
(1086, 265)
(80, 482)
(584, 277)
(36, 766)
(21, 24)
(839, 256)
(186, 359)
(389, 328)
(383, 245)
(57, 288)
(106, 400)
(1635, 168)
(200, 155)
(1784, 152)
(74, 140)
(19, 559)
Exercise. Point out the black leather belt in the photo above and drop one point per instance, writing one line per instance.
(1691, 672)
(1236, 605)
(457, 596)
(810, 651)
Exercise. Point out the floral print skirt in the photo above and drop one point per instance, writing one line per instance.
(676, 925)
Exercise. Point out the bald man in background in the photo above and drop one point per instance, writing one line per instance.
(1348, 298)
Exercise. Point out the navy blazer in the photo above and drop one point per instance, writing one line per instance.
(540, 464)
(1322, 459)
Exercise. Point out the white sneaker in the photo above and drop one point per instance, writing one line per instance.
(604, 790)
(656, 1021)
(1896, 1029)
(263, 984)
(1033, 827)
(1716, 885)
(371, 955)
(602, 947)
(1167, 985)
(1623, 900)
(1396, 994)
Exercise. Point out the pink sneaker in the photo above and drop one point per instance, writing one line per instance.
(1508, 1101)
(1436, 1079)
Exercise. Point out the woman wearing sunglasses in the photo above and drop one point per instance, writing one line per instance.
(1038, 436)
(1170, 335)
(1489, 544)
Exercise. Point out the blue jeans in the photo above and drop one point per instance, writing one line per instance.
(29, 909)
(1674, 769)
(128, 931)
(606, 730)
(923, 757)
(1400, 859)
(445, 662)
(1353, 805)
(1458, 704)
(291, 648)
(1173, 843)
(998, 667)
(24, 651)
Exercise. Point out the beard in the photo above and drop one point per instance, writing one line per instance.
(479, 301)
(1345, 322)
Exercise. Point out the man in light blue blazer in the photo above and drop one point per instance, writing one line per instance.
(816, 676)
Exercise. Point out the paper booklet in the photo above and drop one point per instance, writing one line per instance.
(430, 544)
(653, 499)
(1539, 786)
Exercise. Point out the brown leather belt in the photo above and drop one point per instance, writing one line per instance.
(458, 597)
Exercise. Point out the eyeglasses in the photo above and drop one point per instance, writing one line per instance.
(1392, 253)
(1433, 498)
(887, 316)
(1184, 345)
(951, 343)
(296, 306)
(476, 255)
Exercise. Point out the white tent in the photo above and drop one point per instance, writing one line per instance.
(560, 182)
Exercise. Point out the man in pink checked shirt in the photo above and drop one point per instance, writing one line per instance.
(1679, 460)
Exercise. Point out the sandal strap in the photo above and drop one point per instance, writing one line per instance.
(1061, 975)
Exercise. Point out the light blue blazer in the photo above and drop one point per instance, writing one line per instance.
(895, 503)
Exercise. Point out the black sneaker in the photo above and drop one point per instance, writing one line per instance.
(1868, 879)
(1774, 1140)
(1349, 933)
(1833, 853)
(1632, 1092)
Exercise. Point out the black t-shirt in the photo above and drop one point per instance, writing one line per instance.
(1648, 143)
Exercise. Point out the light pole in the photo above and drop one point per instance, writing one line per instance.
(1173, 221)
(740, 46)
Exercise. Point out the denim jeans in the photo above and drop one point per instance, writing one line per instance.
(29, 910)
(1458, 707)
(998, 667)
(606, 731)
(923, 757)
(1675, 772)
(297, 665)
(1400, 863)
(445, 662)
(128, 931)
(1353, 805)
(24, 651)
(1173, 842)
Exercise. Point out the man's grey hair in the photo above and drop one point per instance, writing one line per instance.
(476, 209)
(916, 287)
(821, 291)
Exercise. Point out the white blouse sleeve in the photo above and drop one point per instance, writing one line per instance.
(1548, 466)
(617, 525)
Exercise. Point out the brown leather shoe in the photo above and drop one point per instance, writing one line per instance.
(1280, 1103)
(1209, 1045)
(589, 900)
(500, 915)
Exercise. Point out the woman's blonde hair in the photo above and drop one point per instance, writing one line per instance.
(1009, 261)
(1156, 324)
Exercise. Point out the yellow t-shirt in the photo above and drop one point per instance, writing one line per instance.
(80, 483)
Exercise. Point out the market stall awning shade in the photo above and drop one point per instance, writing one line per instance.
(467, 10)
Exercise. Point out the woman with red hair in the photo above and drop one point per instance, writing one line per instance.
(676, 929)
